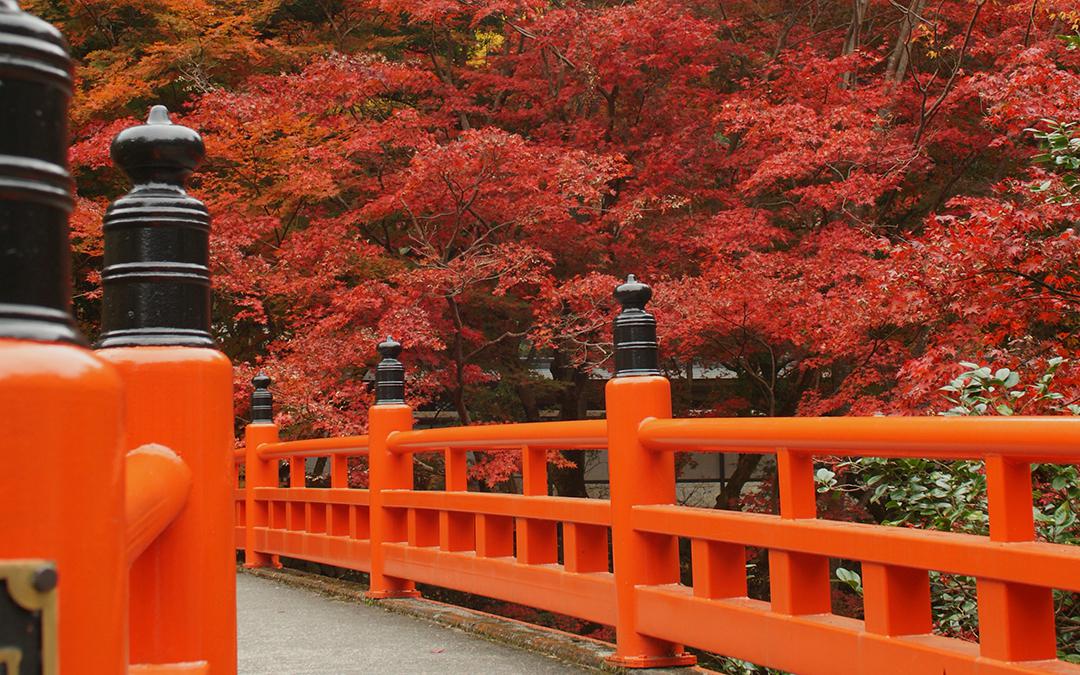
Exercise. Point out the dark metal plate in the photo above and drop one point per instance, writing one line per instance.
(28, 641)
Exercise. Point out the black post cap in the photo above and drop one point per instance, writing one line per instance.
(35, 186)
(262, 401)
(157, 242)
(389, 374)
(636, 348)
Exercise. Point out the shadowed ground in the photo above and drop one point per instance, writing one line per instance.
(291, 631)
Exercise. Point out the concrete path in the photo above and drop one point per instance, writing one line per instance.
(291, 631)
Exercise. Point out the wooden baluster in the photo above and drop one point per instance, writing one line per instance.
(585, 548)
(798, 582)
(1016, 621)
(537, 540)
(456, 529)
(719, 569)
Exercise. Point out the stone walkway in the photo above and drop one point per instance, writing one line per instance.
(291, 631)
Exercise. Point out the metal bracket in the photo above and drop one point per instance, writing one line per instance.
(28, 632)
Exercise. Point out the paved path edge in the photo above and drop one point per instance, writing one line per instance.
(574, 649)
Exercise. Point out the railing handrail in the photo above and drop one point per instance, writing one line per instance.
(1033, 439)
(621, 561)
(574, 435)
(350, 446)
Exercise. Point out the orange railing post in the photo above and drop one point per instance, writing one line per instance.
(638, 476)
(388, 471)
(1016, 621)
(155, 331)
(258, 472)
(798, 583)
(62, 481)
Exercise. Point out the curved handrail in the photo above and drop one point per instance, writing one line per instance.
(1033, 439)
(578, 435)
(350, 446)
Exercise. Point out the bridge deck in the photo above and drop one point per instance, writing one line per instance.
(290, 631)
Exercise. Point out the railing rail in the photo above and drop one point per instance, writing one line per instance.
(616, 561)
(347, 446)
(578, 435)
(1032, 439)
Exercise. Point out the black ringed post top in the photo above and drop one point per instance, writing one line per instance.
(636, 348)
(156, 276)
(35, 186)
(389, 374)
(262, 401)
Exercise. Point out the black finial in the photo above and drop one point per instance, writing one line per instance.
(636, 351)
(262, 401)
(389, 374)
(157, 277)
(35, 187)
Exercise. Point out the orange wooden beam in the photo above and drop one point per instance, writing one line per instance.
(156, 488)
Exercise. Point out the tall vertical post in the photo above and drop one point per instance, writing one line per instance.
(388, 471)
(257, 471)
(61, 488)
(638, 476)
(156, 332)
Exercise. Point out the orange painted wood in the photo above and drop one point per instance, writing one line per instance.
(1034, 439)
(1016, 621)
(193, 668)
(62, 491)
(798, 582)
(338, 521)
(156, 489)
(808, 645)
(896, 600)
(494, 536)
(537, 540)
(316, 518)
(323, 495)
(457, 528)
(339, 472)
(585, 548)
(563, 509)
(176, 613)
(1033, 563)
(341, 446)
(465, 541)
(583, 434)
(297, 472)
(639, 476)
(259, 474)
(387, 470)
(423, 527)
(719, 569)
(344, 552)
(587, 596)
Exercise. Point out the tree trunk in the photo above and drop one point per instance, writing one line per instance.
(898, 60)
(570, 481)
(854, 35)
(728, 499)
(458, 353)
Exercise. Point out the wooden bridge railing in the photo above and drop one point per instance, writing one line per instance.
(115, 549)
(616, 561)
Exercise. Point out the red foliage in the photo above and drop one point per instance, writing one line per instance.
(831, 208)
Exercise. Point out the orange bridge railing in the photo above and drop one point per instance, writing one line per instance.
(617, 562)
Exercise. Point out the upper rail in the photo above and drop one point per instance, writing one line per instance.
(315, 447)
(1033, 439)
(578, 435)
